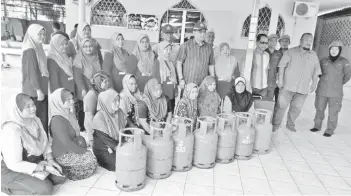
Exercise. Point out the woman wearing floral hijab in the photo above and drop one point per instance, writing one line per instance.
(154, 107)
(35, 74)
(209, 101)
(130, 99)
(83, 32)
(68, 147)
(146, 61)
(60, 65)
(107, 123)
(85, 66)
(27, 166)
(187, 106)
(226, 68)
(115, 61)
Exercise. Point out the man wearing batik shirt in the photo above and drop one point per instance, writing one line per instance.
(168, 37)
(195, 59)
(260, 65)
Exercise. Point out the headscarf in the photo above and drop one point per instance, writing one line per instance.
(128, 97)
(57, 109)
(110, 122)
(90, 64)
(157, 106)
(120, 55)
(338, 44)
(192, 104)
(30, 41)
(208, 101)
(241, 102)
(225, 65)
(33, 135)
(97, 79)
(56, 54)
(167, 68)
(79, 35)
(146, 59)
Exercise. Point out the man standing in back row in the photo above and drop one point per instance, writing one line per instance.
(297, 68)
(168, 37)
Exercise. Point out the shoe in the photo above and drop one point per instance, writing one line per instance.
(292, 129)
(314, 130)
(275, 129)
(327, 135)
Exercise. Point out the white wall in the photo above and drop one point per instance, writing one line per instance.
(225, 16)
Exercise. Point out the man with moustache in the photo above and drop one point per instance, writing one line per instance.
(168, 37)
(297, 68)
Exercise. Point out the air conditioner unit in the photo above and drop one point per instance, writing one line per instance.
(305, 9)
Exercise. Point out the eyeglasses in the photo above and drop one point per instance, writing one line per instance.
(263, 42)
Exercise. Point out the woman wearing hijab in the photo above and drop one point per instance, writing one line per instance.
(99, 83)
(336, 72)
(209, 102)
(226, 68)
(167, 75)
(27, 166)
(60, 65)
(130, 99)
(35, 74)
(238, 99)
(146, 61)
(115, 61)
(68, 147)
(83, 32)
(108, 121)
(187, 106)
(85, 66)
(154, 107)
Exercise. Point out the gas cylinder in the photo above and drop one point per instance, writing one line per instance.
(159, 146)
(206, 139)
(227, 134)
(246, 135)
(130, 160)
(264, 132)
(183, 138)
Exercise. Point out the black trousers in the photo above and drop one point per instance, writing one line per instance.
(42, 111)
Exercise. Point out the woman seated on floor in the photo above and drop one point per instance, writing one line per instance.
(27, 166)
(238, 99)
(154, 107)
(107, 123)
(187, 106)
(68, 147)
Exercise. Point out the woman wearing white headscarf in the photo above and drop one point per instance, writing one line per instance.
(107, 123)
(146, 61)
(27, 166)
(60, 66)
(68, 147)
(35, 74)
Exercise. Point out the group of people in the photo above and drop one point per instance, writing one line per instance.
(72, 89)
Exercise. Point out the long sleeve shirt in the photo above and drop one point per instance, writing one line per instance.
(58, 78)
(81, 81)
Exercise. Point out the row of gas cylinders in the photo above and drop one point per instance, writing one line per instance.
(176, 147)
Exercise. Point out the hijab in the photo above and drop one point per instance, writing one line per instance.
(31, 41)
(77, 40)
(146, 59)
(334, 58)
(167, 68)
(225, 64)
(127, 96)
(33, 135)
(241, 102)
(89, 63)
(97, 79)
(110, 121)
(56, 105)
(191, 104)
(157, 106)
(55, 53)
(208, 101)
(120, 55)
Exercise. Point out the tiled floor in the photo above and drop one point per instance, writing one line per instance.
(301, 163)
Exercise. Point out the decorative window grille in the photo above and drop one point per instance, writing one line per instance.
(280, 26)
(184, 4)
(110, 13)
(336, 29)
(264, 19)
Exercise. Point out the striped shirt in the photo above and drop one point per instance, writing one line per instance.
(301, 66)
(196, 60)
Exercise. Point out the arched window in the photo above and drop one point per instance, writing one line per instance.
(182, 16)
(280, 26)
(110, 13)
(264, 19)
